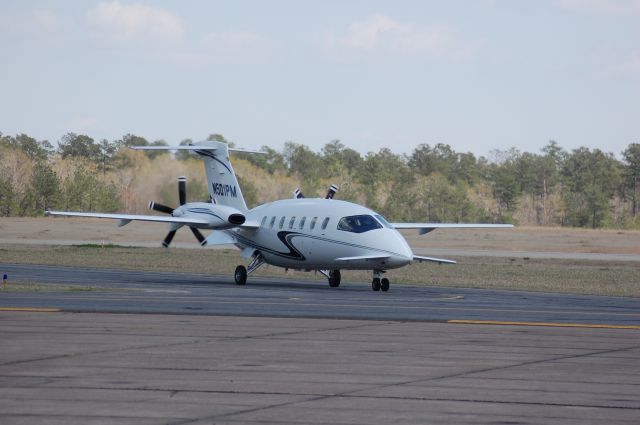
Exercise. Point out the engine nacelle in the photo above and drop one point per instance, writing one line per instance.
(217, 216)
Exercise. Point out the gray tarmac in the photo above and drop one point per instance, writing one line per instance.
(97, 368)
(120, 291)
(171, 348)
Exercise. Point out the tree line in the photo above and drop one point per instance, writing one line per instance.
(553, 187)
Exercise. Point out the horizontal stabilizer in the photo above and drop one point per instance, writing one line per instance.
(126, 218)
(364, 257)
(190, 148)
(421, 259)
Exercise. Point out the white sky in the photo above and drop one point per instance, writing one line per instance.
(478, 75)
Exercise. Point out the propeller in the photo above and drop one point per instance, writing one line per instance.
(332, 191)
(182, 197)
(298, 193)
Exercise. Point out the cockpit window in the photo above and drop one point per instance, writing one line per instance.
(384, 221)
(358, 223)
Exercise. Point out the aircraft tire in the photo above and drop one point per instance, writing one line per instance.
(375, 284)
(240, 275)
(334, 278)
(384, 284)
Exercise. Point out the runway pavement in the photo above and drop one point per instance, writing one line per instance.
(90, 368)
(176, 293)
(280, 351)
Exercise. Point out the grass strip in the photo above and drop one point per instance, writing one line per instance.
(546, 275)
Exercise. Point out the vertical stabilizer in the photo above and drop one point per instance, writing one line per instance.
(221, 179)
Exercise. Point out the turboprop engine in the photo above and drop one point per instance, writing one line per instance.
(216, 216)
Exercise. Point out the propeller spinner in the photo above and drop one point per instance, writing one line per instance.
(182, 196)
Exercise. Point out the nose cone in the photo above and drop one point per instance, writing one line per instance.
(402, 251)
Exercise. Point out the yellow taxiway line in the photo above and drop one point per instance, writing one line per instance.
(31, 309)
(549, 324)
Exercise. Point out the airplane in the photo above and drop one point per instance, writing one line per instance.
(310, 234)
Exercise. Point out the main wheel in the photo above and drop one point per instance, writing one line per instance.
(334, 278)
(384, 284)
(240, 275)
(375, 284)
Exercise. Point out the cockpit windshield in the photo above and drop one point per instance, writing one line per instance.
(358, 223)
(384, 221)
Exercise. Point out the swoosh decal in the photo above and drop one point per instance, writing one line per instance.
(294, 254)
(212, 156)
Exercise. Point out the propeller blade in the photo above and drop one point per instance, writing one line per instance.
(198, 235)
(332, 191)
(182, 189)
(160, 208)
(298, 193)
(168, 239)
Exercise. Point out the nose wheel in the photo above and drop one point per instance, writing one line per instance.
(334, 278)
(379, 283)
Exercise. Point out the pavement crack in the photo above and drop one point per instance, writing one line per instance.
(491, 369)
(89, 353)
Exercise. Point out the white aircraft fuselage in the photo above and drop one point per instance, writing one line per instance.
(304, 234)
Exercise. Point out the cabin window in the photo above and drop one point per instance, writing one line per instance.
(358, 223)
(293, 220)
(273, 221)
(325, 222)
(281, 222)
(264, 220)
(302, 220)
(313, 223)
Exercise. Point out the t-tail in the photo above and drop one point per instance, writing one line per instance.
(221, 179)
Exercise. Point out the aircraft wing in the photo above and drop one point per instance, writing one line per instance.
(428, 227)
(421, 259)
(126, 218)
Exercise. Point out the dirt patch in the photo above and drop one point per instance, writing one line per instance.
(51, 230)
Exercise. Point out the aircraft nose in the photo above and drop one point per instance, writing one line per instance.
(403, 253)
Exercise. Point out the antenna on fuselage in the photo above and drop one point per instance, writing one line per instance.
(332, 191)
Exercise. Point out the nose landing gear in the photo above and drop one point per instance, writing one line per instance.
(378, 283)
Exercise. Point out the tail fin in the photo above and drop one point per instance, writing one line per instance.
(221, 179)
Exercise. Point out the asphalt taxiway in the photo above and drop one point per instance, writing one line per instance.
(172, 348)
(177, 293)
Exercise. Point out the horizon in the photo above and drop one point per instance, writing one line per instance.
(488, 156)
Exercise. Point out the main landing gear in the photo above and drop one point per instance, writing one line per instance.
(241, 273)
(379, 283)
(333, 276)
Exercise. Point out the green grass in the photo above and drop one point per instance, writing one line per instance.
(549, 275)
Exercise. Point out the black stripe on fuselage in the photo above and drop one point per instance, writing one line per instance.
(294, 254)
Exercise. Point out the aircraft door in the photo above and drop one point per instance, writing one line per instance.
(305, 244)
